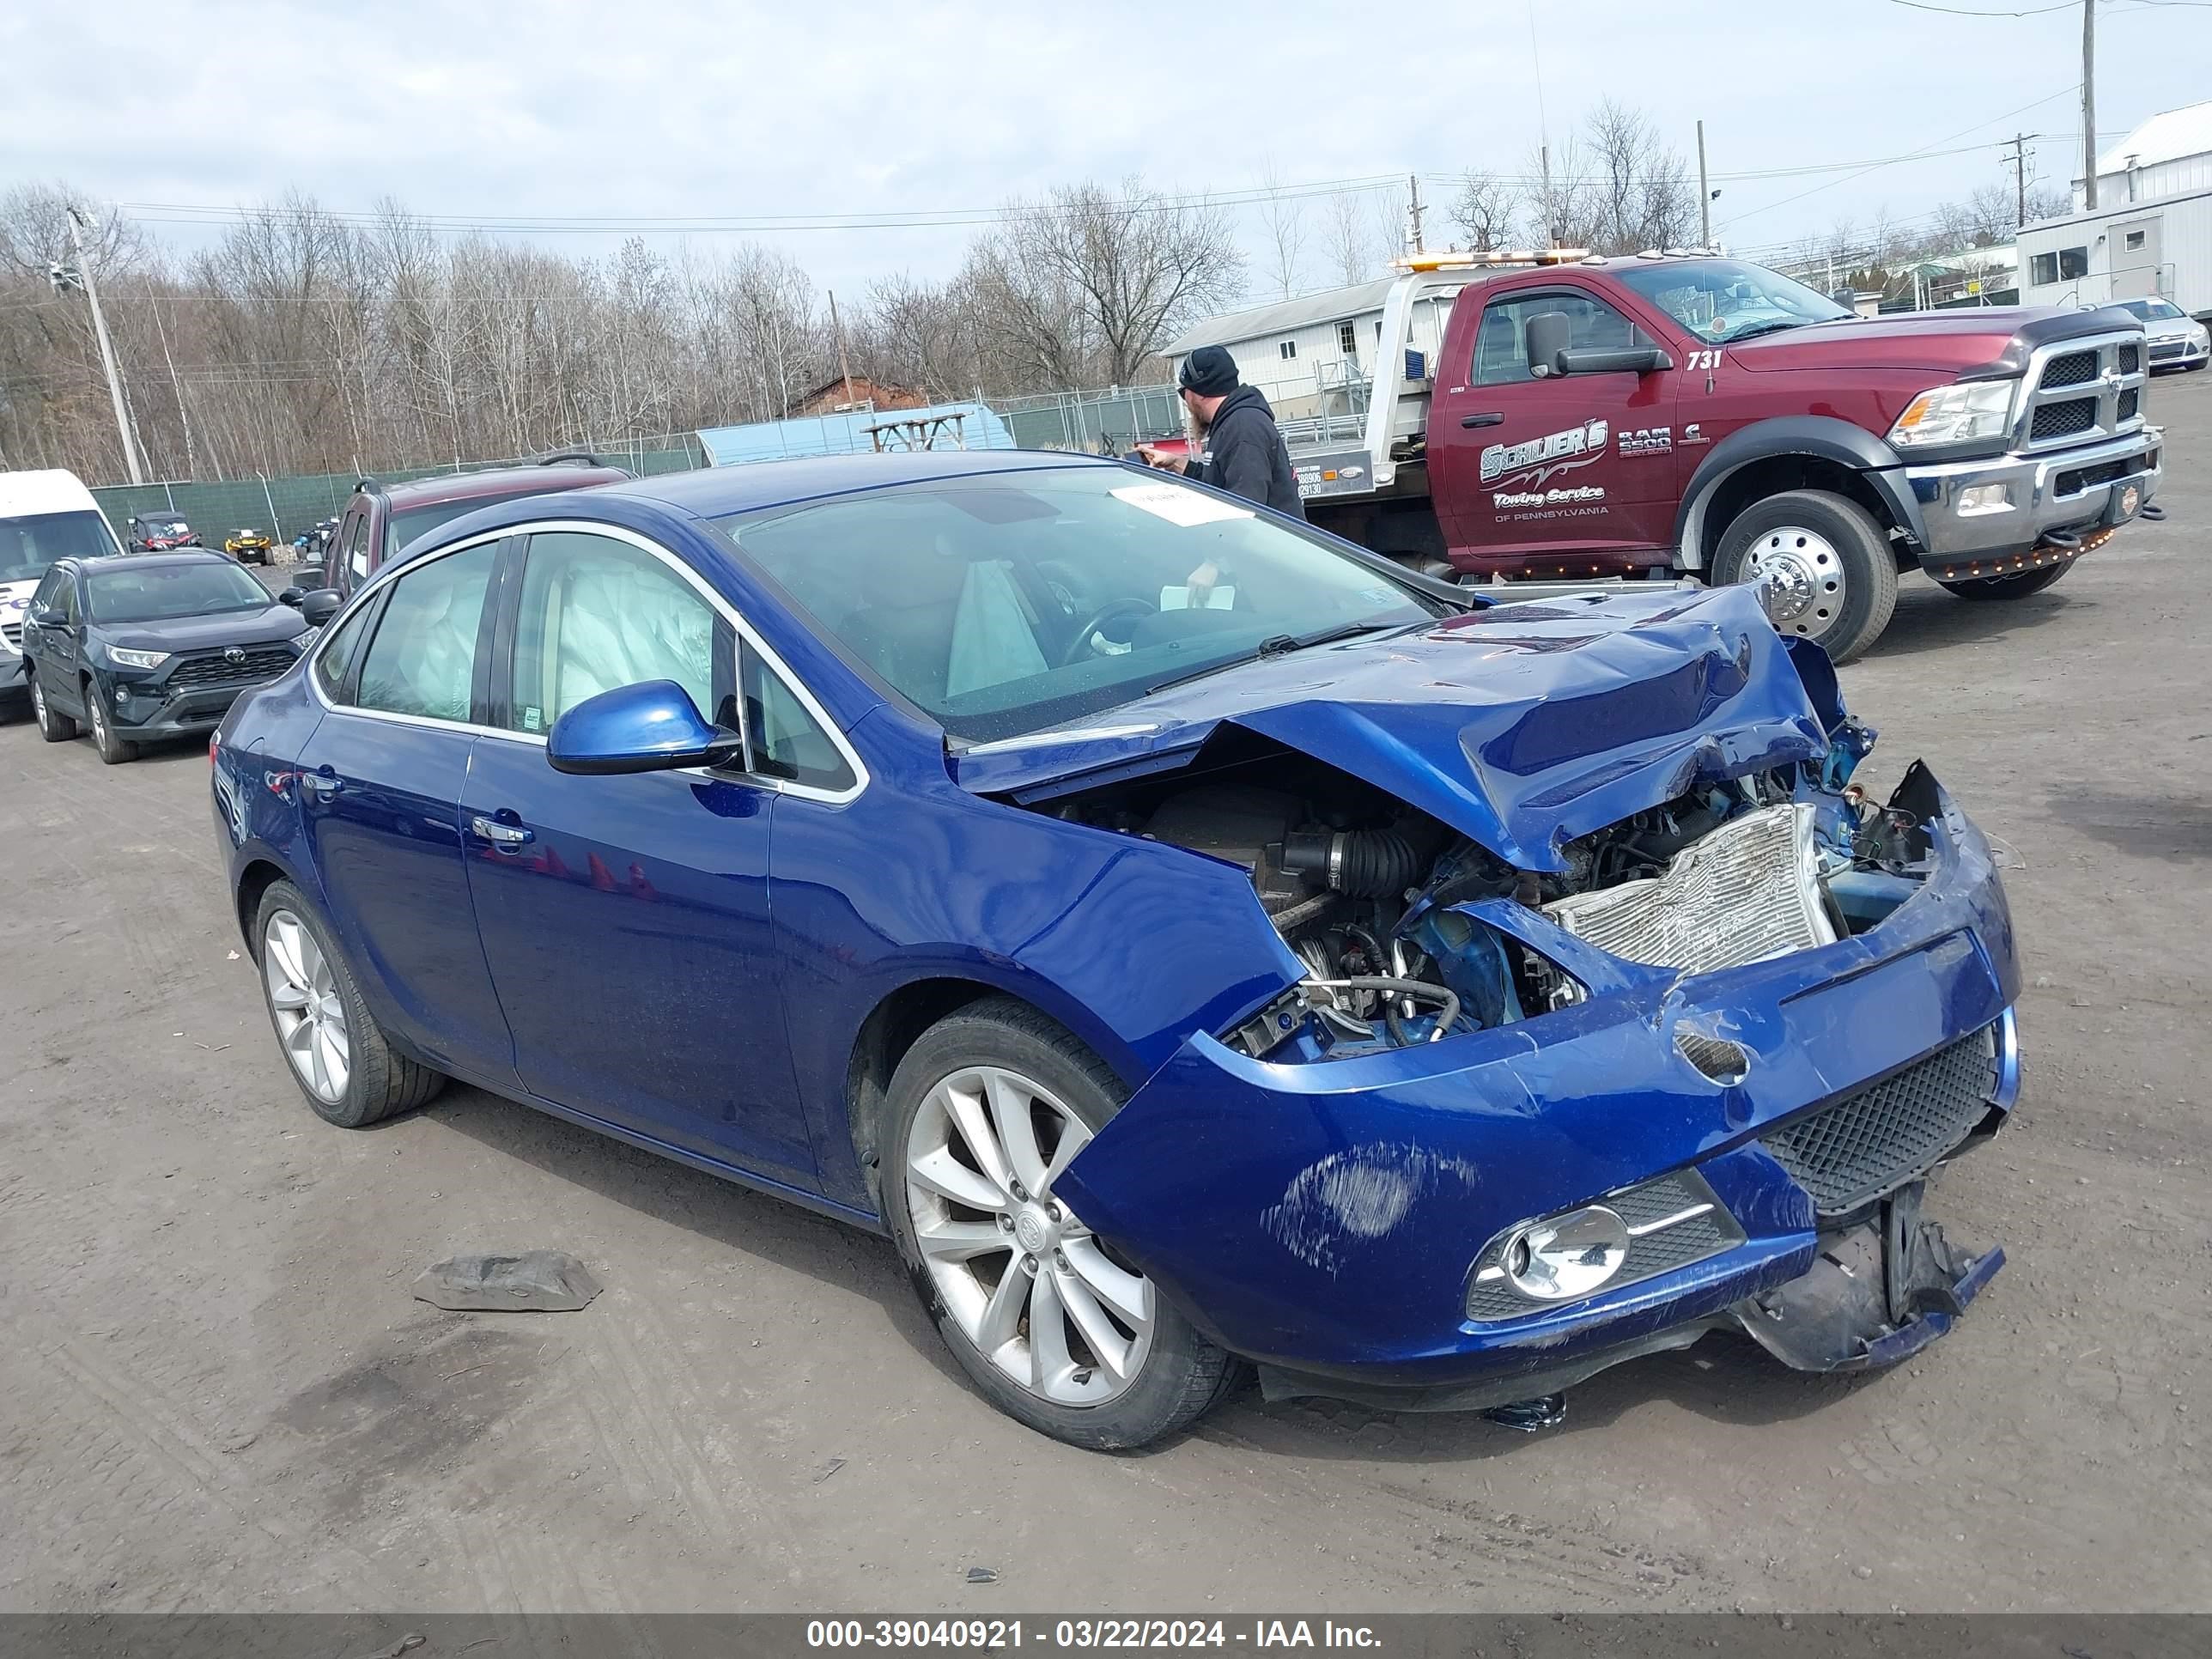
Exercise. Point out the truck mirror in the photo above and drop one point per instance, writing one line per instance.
(1614, 360)
(1546, 334)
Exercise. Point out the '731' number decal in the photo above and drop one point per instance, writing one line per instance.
(1705, 359)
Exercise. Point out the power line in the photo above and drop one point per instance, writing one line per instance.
(1956, 11)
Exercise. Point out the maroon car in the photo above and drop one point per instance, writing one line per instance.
(381, 518)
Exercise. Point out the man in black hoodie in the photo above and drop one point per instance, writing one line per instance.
(1244, 453)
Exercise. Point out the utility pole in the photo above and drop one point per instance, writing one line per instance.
(1705, 195)
(2020, 180)
(1544, 158)
(2089, 104)
(843, 367)
(77, 220)
(1414, 208)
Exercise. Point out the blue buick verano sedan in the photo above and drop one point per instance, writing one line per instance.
(1197, 943)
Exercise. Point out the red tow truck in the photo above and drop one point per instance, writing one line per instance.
(1670, 416)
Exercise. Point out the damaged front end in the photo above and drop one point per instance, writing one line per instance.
(1535, 1107)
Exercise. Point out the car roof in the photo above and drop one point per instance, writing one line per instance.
(715, 491)
(494, 483)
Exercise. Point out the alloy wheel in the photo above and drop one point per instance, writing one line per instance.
(303, 995)
(1039, 1295)
(38, 701)
(1800, 580)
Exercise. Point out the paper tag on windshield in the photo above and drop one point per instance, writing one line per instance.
(1178, 505)
(1216, 598)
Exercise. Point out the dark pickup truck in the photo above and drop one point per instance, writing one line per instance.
(1695, 416)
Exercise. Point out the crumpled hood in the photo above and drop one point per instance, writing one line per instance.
(1521, 725)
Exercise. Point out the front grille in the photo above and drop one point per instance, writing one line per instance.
(216, 668)
(2063, 420)
(2131, 359)
(2166, 348)
(2088, 477)
(2131, 401)
(2075, 369)
(1649, 1254)
(13, 633)
(1869, 1143)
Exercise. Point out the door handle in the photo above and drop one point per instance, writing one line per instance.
(507, 837)
(1495, 417)
(322, 782)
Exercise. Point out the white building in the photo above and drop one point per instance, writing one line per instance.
(2169, 154)
(1315, 355)
(2151, 233)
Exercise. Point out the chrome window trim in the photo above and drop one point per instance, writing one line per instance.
(745, 632)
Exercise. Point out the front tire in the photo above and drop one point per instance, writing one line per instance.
(2016, 586)
(1048, 1321)
(52, 726)
(339, 1055)
(1825, 565)
(113, 750)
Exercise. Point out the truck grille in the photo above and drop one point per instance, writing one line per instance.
(1746, 892)
(13, 633)
(2088, 477)
(216, 668)
(2075, 369)
(2086, 388)
(2063, 420)
(2166, 348)
(1869, 1143)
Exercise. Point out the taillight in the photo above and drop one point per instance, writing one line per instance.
(215, 746)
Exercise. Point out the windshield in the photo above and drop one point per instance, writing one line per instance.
(165, 527)
(403, 527)
(2151, 311)
(155, 592)
(1004, 604)
(1723, 300)
(30, 543)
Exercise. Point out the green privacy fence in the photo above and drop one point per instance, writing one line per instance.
(285, 507)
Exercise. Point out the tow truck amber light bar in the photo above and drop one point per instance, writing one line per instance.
(1454, 261)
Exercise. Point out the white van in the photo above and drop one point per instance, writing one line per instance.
(44, 516)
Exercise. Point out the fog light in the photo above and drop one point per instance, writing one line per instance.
(1984, 498)
(1568, 1256)
(122, 697)
(2130, 499)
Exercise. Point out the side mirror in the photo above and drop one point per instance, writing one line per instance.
(1546, 334)
(292, 596)
(1614, 359)
(319, 606)
(43, 616)
(650, 726)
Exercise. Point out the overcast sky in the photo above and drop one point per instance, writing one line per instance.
(550, 108)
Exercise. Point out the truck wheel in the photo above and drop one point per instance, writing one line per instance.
(1825, 564)
(2010, 587)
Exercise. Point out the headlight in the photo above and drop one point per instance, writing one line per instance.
(2202, 337)
(1954, 413)
(138, 658)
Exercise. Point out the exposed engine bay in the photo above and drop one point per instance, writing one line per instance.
(1375, 897)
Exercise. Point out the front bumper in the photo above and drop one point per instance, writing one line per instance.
(1326, 1219)
(151, 712)
(2162, 357)
(2073, 489)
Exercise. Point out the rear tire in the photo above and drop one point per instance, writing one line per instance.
(333, 1046)
(52, 726)
(2017, 586)
(113, 750)
(995, 1264)
(1832, 577)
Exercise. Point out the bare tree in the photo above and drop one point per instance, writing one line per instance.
(2048, 202)
(1283, 221)
(1349, 238)
(1643, 196)
(1094, 283)
(1485, 209)
(1991, 213)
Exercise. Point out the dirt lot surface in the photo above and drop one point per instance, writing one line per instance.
(215, 1392)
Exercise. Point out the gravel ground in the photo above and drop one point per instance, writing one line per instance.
(216, 1393)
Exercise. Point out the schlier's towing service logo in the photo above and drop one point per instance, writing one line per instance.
(1539, 459)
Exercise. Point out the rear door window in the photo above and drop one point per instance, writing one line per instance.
(423, 659)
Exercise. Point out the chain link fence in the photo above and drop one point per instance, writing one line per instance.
(1097, 423)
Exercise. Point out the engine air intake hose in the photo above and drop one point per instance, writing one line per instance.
(1362, 863)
